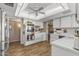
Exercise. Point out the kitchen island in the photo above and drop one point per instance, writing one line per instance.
(64, 47)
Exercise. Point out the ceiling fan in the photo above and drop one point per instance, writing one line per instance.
(36, 11)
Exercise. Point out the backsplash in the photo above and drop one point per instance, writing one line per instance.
(71, 31)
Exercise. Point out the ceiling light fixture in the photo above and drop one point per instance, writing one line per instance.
(36, 11)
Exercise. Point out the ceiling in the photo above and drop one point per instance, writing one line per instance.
(70, 11)
(49, 9)
(9, 8)
(37, 5)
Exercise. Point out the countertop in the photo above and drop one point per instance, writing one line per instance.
(65, 43)
(64, 34)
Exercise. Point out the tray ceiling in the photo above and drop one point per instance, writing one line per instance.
(49, 9)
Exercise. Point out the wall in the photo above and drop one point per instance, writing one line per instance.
(44, 25)
(48, 26)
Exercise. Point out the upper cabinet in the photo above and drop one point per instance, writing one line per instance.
(66, 21)
(74, 21)
(62, 22)
(56, 23)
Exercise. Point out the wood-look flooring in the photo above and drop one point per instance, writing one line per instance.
(38, 49)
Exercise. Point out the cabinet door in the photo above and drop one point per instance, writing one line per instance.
(66, 21)
(74, 21)
(56, 23)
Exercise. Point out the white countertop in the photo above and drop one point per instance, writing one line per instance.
(65, 43)
(64, 34)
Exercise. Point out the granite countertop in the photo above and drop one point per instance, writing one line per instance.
(65, 43)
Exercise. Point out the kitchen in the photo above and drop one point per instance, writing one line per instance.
(45, 27)
(65, 39)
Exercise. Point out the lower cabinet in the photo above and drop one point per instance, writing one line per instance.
(58, 51)
(38, 38)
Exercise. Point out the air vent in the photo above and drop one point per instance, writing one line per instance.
(9, 4)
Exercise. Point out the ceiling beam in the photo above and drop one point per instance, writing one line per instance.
(20, 7)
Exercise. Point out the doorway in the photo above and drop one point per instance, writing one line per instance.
(50, 28)
(14, 31)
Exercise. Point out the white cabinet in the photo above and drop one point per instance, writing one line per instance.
(69, 21)
(66, 21)
(74, 21)
(56, 23)
(62, 22)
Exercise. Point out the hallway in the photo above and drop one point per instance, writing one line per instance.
(38, 49)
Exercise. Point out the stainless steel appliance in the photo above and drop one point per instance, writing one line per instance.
(4, 32)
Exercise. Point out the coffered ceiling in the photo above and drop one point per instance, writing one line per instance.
(49, 9)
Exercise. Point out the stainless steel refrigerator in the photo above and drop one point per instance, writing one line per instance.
(4, 32)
